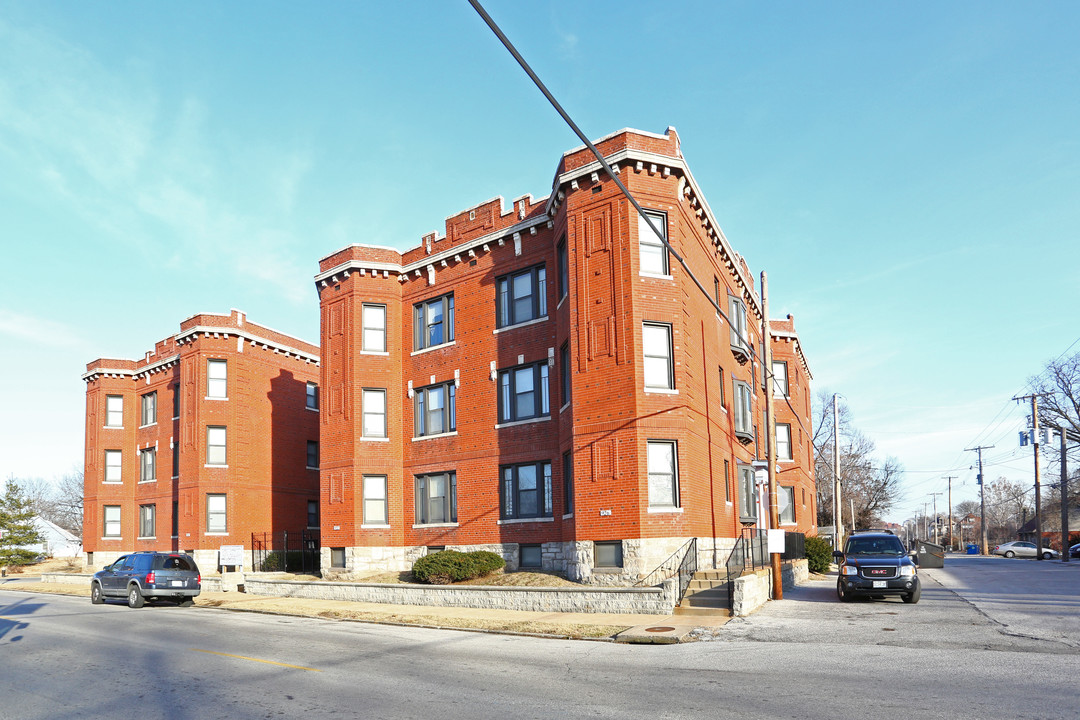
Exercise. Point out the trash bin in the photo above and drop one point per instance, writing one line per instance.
(972, 549)
(931, 555)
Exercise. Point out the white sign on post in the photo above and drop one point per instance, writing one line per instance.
(776, 541)
(231, 555)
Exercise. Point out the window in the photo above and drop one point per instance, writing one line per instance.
(565, 370)
(435, 410)
(740, 340)
(663, 477)
(656, 341)
(716, 290)
(783, 442)
(176, 459)
(215, 514)
(374, 406)
(747, 494)
(436, 498)
(149, 408)
(175, 518)
(522, 296)
(743, 411)
(787, 504)
(215, 446)
(312, 454)
(111, 516)
(313, 513)
(523, 392)
(720, 389)
(727, 481)
(311, 401)
(375, 500)
(568, 482)
(563, 260)
(651, 236)
(607, 554)
(114, 411)
(433, 322)
(217, 374)
(148, 465)
(175, 402)
(147, 521)
(337, 557)
(530, 556)
(780, 379)
(113, 466)
(374, 330)
(526, 490)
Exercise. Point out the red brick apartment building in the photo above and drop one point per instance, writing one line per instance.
(546, 381)
(797, 496)
(211, 436)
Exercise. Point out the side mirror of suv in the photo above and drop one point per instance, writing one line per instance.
(914, 559)
(837, 555)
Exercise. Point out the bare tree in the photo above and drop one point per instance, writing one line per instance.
(1059, 385)
(1007, 508)
(68, 502)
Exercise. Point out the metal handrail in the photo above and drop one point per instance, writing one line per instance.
(683, 562)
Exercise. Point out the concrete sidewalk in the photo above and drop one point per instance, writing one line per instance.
(632, 628)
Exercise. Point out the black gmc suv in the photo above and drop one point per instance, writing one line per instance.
(148, 575)
(876, 564)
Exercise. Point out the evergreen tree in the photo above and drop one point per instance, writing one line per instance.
(16, 528)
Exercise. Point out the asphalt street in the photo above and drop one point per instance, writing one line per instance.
(807, 656)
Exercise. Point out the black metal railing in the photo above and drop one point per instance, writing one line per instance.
(285, 551)
(794, 546)
(683, 562)
(755, 548)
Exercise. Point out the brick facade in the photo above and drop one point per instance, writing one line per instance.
(228, 418)
(554, 292)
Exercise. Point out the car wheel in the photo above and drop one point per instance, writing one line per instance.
(134, 597)
(841, 593)
(95, 594)
(1048, 556)
(913, 596)
(1010, 553)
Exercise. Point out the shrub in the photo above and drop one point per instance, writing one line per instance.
(818, 554)
(447, 566)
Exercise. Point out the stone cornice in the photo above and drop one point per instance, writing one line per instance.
(191, 334)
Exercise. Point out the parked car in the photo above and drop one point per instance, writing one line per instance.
(1074, 551)
(876, 564)
(143, 576)
(1023, 548)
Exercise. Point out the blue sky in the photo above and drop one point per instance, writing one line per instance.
(907, 174)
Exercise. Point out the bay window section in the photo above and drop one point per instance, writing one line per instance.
(433, 322)
(523, 392)
(435, 410)
(436, 499)
(526, 491)
(521, 296)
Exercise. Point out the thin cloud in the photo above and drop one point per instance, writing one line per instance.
(36, 330)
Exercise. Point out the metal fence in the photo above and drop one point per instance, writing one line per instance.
(794, 546)
(285, 551)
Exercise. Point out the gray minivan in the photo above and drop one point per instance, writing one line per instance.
(148, 575)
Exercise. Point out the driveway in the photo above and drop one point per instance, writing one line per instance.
(974, 602)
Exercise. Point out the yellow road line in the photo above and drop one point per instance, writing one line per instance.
(268, 662)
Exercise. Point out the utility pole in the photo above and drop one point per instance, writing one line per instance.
(838, 530)
(770, 434)
(1064, 497)
(851, 503)
(982, 496)
(950, 478)
(925, 523)
(1038, 489)
(937, 532)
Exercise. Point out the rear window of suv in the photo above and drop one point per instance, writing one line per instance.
(173, 562)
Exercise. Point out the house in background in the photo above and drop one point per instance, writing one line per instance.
(545, 380)
(211, 436)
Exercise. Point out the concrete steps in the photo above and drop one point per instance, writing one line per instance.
(707, 594)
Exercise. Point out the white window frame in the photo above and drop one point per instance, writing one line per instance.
(423, 413)
(743, 407)
(787, 516)
(373, 332)
(217, 379)
(371, 399)
(422, 327)
(657, 349)
(148, 465)
(220, 436)
(740, 338)
(781, 386)
(652, 253)
(114, 411)
(783, 442)
(110, 528)
(376, 510)
(119, 465)
(148, 408)
(663, 473)
(311, 396)
(217, 514)
(148, 520)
